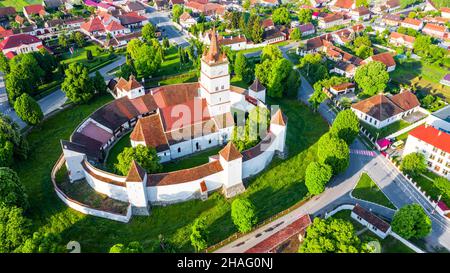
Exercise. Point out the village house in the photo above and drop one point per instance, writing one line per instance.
(399, 39)
(393, 5)
(440, 119)
(331, 20)
(434, 145)
(6, 12)
(385, 58)
(175, 2)
(360, 14)
(434, 30)
(412, 23)
(307, 29)
(135, 6)
(267, 24)
(274, 35)
(52, 4)
(343, 5)
(380, 110)
(5, 32)
(342, 88)
(234, 42)
(446, 80)
(371, 221)
(132, 20)
(265, 3)
(122, 40)
(391, 19)
(445, 12)
(213, 10)
(186, 20)
(32, 10)
(20, 43)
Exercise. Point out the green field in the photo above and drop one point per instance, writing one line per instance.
(18, 4)
(426, 183)
(171, 64)
(424, 76)
(279, 187)
(388, 244)
(367, 190)
(385, 131)
(100, 56)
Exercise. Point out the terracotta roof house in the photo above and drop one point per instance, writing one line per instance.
(446, 80)
(344, 5)
(20, 43)
(435, 30)
(234, 42)
(392, 19)
(342, 88)
(186, 20)
(132, 20)
(331, 20)
(385, 58)
(7, 12)
(20, 20)
(135, 6)
(208, 9)
(31, 10)
(399, 39)
(445, 12)
(380, 110)
(360, 13)
(307, 29)
(267, 24)
(433, 143)
(412, 23)
(370, 220)
(393, 5)
(266, 3)
(52, 4)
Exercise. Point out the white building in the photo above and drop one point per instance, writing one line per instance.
(371, 221)
(20, 44)
(434, 145)
(381, 110)
(440, 119)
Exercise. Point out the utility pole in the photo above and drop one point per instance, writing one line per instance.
(435, 206)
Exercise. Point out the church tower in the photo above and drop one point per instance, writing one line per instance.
(215, 79)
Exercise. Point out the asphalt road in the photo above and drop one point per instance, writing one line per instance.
(162, 21)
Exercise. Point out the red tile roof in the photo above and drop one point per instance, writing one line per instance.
(345, 4)
(136, 173)
(434, 27)
(150, 130)
(411, 21)
(95, 24)
(378, 106)
(229, 152)
(385, 58)
(129, 85)
(114, 26)
(270, 244)
(17, 40)
(432, 136)
(406, 38)
(34, 9)
(405, 100)
(185, 114)
(371, 218)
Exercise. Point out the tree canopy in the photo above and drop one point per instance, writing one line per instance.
(12, 143)
(317, 176)
(146, 56)
(334, 152)
(28, 109)
(346, 126)
(281, 16)
(372, 77)
(304, 16)
(331, 236)
(77, 84)
(199, 235)
(413, 164)
(243, 214)
(146, 157)
(43, 243)
(12, 192)
(132, 247)
(411, 221)
(148, 32)
(14, 229)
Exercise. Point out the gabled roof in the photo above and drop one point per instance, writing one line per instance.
(257, 86)
(371, 218)
(131, 18)
(434, 27)
(406, 38)
(411, 21)
(378, 106)
(186, 16)
(95, 24)
(129, 85)
(5, 11)
(17, 40)
(135, 6)
(385, 58)
(405, 100)
(114, 26)
(150, 130)
(345, 4)
(306, 27)
(136, 173)
(230, 152)
(279, 118)
(34, 9)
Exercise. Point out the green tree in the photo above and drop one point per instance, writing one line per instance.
(89, 54)
(334, 152)
(296, 34)
(316, 99)
(12, 143)
(271, 52)
(281, 16)
(317, 176)
(257, 31)
(166, 43)
(246, 4)
(63, 41)
(149, 32)
(330, 236)
(43, 243)
(292, 83)
(372, 77)
(346, 126)
(243, 214)
(77, 84)
(413, 164)
(28, 109)
(277, 78)
(14, 229)
(362, 40)
(199, 235)
(78, 38)
(177, 10)
(12, 192)
(304, 16)
(364, 52)
(132, 247)
(146, 59)
(364, 3)
(146, 157)
(242, 67)
(47, 62)
(411, 221)
(99, 83)
(4, 63)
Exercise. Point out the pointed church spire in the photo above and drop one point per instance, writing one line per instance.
(214, 54)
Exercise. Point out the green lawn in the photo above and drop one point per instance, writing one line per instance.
(116, 150)
(388, 244)
(171, 64)
(279, 187)
(431, 189)
(367, 190)
(425, 76)
(18, 4)
(100, 56)
(196, 159)
(385, 131)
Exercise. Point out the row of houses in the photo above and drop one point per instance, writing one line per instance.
(430, 27)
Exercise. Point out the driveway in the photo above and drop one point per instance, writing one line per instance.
(162, 21)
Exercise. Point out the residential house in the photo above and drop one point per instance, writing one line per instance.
(399, 39)
(135, 6)
(176, 2)
(307, 29)
(446, 80)
(274, 35)
(160, 4)
(434, 145)
(344, 5)
(267, 24)
(20, 43)
(360, 14)
(412, 23)
(445, 12)
(374, 223)
(186, 20)
(393, 5)
(342, 88)
(434, 30)
(132, 20)
(331, 20)
(6, 12)
(265, 3)
(385, 58)
(52, 4)
(440, 119)
(235, 43)
(380, 110)
(32, 10)
(19, 19)
(208, 9)
(391, 19)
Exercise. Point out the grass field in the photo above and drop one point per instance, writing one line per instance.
(279, 187)
(367, 190)
(424, 76)
(99, 55)
(385, 131)
(427, 184)
(18, 4)
(388, 244)
(171, 64)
